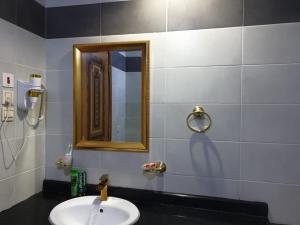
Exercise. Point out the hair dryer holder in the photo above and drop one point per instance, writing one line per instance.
(23, 102)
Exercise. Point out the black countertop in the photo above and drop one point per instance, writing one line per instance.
(35, 211)
(155, 209)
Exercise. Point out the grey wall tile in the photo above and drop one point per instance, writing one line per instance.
(137, 16)
(27, 184)
(55, 148)
(73, 21)
(282, 200)
(30, 49)
(203, 159)
(157, 85)
(33, 154)
(270, 162)
(279, 43)
(203, 47)
(271, 123)
(60, 85)
(136, 180)
(202, 186)
(53, 173)
(225, 122)
(203, 84)
(195, 14)
(7, 199)
(59, 52)
(157, 149)
(87, 159)
(157, 120)
(134, 161)
(8, 40)
(271, 11)
(277, 84)
(59, 118)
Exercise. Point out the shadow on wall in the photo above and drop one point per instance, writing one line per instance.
(208, 152)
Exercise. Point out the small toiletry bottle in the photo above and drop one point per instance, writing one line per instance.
(74, 182)
(82, 183)
(68, 155)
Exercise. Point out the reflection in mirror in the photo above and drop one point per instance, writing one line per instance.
(126, 96)
(113, 97)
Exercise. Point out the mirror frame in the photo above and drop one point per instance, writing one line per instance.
(143, 146)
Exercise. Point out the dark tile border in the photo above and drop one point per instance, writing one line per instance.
(195, 14)
(73, 21)
(260, 12)
(31, 16)
(136, 16)
(8, 10)
(126, 64)
(27, 14)
(145, 16)
(118, 61)
(258, 209)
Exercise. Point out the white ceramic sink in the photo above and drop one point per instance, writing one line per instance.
(89, 210)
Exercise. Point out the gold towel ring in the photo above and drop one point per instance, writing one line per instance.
(198, 112)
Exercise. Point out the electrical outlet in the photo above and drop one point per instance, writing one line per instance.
(7, 98)
(9, 113)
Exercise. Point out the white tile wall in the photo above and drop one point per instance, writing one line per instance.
(270, 162)
(271, 123)
(58, 80)
(8, 39)
(59, 118)
(225, 122)
(251, 151)
(33, 45)
(283, 200)
(203, 47)
(271, 84)
(195, 84)
(157, 85)
(203, 158)
(278, 43)
(157, 120)
(202, 186)
(22, 53)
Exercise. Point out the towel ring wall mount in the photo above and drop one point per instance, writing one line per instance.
(198, 113)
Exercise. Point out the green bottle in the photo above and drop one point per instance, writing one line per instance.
(74, 182)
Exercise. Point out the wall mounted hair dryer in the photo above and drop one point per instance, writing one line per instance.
(28, 94)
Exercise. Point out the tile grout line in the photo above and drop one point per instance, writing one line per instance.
(241, 100)
(165, 122)
(23, 173)
(167, 14)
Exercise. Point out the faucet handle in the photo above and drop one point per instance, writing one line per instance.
(104, 179)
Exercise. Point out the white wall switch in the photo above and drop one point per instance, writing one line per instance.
(8, 80)
(8, 98)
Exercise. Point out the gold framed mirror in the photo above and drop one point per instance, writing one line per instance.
(111, 96)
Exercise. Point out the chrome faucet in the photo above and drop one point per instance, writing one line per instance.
(102, 187)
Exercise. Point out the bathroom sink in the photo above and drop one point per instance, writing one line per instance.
(90, 210)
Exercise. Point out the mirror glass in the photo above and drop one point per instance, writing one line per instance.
(113, 86)
(113, 83)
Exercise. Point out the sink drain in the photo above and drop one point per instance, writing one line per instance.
(101, 210)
